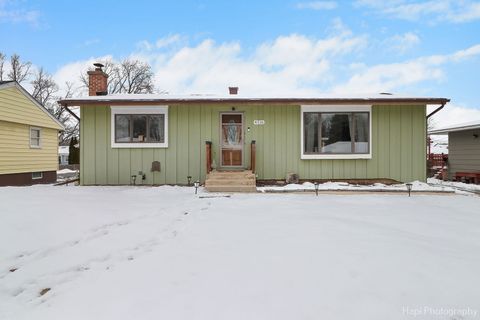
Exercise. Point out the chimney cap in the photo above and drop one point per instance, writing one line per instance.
(98, 65)
(233, 90)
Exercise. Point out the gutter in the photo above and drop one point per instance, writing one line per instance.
(132, 100)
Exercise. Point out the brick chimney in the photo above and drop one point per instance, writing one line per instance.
(97, 81)
(233, 90)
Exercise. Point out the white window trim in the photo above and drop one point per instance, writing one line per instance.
(336, 108)
(39, 139)
(138, 110)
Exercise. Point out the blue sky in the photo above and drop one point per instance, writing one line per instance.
(408, 46)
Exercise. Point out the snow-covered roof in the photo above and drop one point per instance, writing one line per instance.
(439, 144)
(321, 98)
(458, 127)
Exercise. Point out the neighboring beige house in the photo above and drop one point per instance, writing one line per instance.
(463, 150)
(28, 138)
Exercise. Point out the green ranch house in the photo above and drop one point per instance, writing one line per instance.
(228, 142)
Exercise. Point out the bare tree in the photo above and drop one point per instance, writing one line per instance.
(19, 70)
(44, 87)
(45, 92)
(2, 63)
(128, 76)
(71, 125)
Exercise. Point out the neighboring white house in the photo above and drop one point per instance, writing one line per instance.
(63, 152)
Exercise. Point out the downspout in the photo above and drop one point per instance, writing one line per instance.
(436, 110)
(65, 106)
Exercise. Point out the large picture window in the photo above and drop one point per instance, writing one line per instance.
(139, 127)
(335, 132)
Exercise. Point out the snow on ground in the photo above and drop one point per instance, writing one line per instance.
(66, 171)
(344, 186)
(164, 253)
(454, 184)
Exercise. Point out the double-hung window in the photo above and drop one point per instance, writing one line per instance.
(336, 132)
(35, 137)
(139, 127)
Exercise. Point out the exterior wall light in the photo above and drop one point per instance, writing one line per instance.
(409, 188)
(196, 184)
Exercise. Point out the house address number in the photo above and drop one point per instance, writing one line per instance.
(259, 122)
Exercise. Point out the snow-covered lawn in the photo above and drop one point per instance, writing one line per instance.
(164, 253)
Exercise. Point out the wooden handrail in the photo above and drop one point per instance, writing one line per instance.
(253, 156)
(208, 149)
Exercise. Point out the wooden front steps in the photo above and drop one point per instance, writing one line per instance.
(231, 181)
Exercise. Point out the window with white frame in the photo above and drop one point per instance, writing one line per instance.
(35, 137)
(139, 127)
(336, 132)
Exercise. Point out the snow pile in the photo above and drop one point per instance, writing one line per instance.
(66, 171)
(165, 253)
(455, 184)
(344, 186)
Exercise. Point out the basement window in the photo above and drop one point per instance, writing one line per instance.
(139, 127)
(37, 175)
(336, 132)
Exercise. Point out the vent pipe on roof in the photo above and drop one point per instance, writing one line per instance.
(233, 90)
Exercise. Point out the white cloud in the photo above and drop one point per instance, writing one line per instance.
(11, 13)
(164, 42)
(169, 40)
(395, 76)
(318, 5)
(467, 53)
(293, 64)
(401, 43)
(430, 11)
(71, 72)
(289, 64)
(389, 77)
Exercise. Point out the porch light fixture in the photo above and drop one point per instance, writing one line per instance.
(315, 184)
(189, 178)
(409, 188)
(196, 184)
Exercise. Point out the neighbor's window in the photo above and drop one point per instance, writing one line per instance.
(139, 127)
(328, 133)
(35, 136)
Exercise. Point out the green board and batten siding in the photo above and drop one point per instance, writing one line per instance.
(398, 146)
